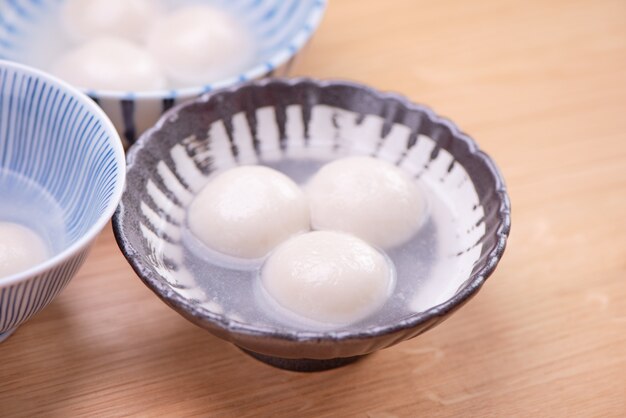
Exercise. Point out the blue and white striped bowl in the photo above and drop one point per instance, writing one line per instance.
(62, 172)
(280, 27)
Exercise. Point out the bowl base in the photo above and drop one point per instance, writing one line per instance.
(6, 334)
(302, 364)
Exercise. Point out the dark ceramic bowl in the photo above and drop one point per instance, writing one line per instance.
(288, 124)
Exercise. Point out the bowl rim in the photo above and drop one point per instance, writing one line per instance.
(254, 71)
(469, 288)
(118, 150)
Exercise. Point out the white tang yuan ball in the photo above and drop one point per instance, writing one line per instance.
(327, 276)
(367, 197)
(20, 248)
(246, 211)
(130, 19)
(110, 64)
(200, 44)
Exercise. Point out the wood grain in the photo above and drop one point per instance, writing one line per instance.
(542, 86)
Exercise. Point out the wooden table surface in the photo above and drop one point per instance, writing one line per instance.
(541, 85)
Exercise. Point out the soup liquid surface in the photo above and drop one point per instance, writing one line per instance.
(424, 268)
(24, 202)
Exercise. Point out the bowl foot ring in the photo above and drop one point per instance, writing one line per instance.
(302, 364)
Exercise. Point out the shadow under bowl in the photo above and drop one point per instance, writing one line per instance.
(286, 124)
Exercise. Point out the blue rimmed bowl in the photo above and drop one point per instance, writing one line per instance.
(62, 172)
(280, 27)
(296, 123)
